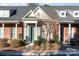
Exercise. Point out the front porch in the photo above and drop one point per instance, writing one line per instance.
(10, 30)
(33, 30)
(68, 32)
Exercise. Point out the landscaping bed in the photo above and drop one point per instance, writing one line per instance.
(10, 48)
(44, 45)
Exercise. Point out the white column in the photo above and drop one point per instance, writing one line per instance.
(69, 32)
(24, 30)
(16, 30)
(59, 32)
(36, 36)
(3, 29)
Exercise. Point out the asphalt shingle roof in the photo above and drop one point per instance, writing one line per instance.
(50, 10)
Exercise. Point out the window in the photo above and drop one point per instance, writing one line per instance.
(62, 13)
(76, 13)
(13, 32)
(4, 13)
(1, 32)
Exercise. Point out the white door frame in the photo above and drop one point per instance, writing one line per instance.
(25, 24)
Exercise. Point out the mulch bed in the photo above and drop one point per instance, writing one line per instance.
(10, 48)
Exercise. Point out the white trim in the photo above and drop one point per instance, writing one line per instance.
(69, 33)
(27, 14)
(30, 21)
(68, 21)
(35, 32)
(24, 30)
(30, 18)
(59, 32)
(8, 21)
(3, 29)
(16, 31)
(43, 11)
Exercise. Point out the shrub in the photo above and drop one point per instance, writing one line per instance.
(42, 40)
(56, 39)
(37, 42)
(23, 42)
(15, 43)
(3, 43)
(20, 37)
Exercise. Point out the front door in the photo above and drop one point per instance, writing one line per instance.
(31, 34)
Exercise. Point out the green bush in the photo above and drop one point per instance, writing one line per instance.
(23, 42)
(20, 37)
(56, 39)
(37, 42)
(42, 40)
(3, 43)
(15, 43)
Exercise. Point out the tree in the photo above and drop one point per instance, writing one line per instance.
(51, 29)
(45, 5)
(32, 4)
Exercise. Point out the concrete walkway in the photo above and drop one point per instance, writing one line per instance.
(65, 50)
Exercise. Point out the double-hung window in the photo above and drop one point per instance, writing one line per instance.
(13, 32)
(1, 32)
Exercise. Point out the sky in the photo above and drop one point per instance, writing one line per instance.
(51, 4)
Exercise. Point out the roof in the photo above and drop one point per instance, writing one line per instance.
(21, 11)
(50, 10)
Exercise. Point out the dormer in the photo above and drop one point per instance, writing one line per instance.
(4, 13)
(7, 13)
(76, 13)
(61, 13)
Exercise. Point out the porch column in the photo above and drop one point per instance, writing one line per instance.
(69, 33)
(24, 31)
(36, 36)
(59, 32)
(16, 30)
(3, 30)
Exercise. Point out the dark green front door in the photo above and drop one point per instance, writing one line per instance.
(31, 34)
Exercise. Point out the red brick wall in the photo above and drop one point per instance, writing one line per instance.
(7, 30)
(76, 32)
(65, 33)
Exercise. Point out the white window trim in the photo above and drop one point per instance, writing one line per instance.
(76, 12)
(60, 13)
